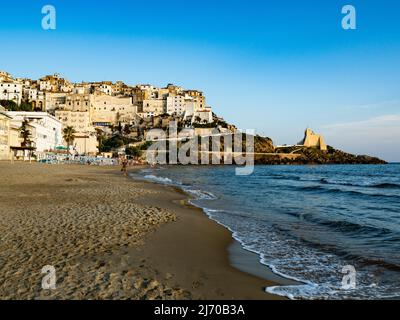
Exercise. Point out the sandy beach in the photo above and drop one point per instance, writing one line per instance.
(110, 237)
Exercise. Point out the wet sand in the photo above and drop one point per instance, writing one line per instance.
(110, 237)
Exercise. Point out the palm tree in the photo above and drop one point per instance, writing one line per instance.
(69, 136)
(25, 134)
(100, 139)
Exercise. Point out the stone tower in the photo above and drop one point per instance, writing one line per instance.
(312, 140)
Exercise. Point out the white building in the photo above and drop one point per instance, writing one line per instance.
(81, 89)
(189, 107)
(46, 134)
(203, 116)
(45, 85)
(195, 114)
(11, 91)
(106, 88)
(30, 94)
(176, 105)
(4, 136)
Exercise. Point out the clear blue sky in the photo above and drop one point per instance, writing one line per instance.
(273, 66)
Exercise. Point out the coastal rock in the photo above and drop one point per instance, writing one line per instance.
(299, 156)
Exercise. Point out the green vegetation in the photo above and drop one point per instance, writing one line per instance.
(12, 106)
(69, 136)
(115, 142)
(25, 134)
(134, 152)
(205, 125)
(146, 145)
(127, 129)
(100, 138)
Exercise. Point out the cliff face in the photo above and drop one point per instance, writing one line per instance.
(263, 145)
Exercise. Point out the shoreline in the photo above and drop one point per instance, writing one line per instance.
(207, 252)
(112, 237)
(240, 258)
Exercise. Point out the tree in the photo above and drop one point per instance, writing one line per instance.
(13, 106)
(9, 105)
(134, 152)
(25, 134)
(69, 136)
(146, 145)
(100, 138)
(25, 106)
(113, 143)
(127, 129)
(119, 128)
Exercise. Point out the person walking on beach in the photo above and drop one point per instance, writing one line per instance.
(125, 167)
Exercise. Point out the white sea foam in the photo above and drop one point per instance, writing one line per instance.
(318, 270)
(200, 194)
(159, 179)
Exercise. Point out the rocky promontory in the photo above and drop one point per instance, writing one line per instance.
(307, 155)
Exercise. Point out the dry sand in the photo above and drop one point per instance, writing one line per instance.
(110, 237)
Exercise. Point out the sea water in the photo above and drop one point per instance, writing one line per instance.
(307, 222)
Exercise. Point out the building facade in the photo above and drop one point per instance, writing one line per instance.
(11, 91)
(4, 136)
(54, 100)
(85, 138)
(176, 104)
(112, 110)
(46, 134)
(153, 107)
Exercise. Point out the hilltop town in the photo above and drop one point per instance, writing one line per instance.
(108, 119)
(96, 110)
